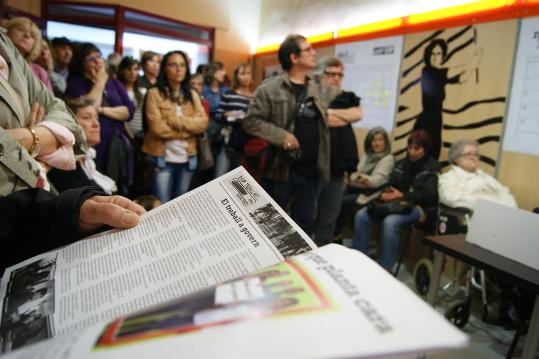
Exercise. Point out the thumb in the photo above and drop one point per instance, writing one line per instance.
(94, 214)
(115, 216)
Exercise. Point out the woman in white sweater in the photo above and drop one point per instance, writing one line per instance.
(465, 183)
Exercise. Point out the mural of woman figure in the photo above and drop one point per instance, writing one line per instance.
(434, 76)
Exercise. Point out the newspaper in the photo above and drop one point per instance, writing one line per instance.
(332, 302)
(222, 230)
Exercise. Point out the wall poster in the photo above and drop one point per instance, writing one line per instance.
(522, 128)
(372, 72)
(454, 84)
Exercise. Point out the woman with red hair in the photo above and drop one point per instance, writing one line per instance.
(414, 178)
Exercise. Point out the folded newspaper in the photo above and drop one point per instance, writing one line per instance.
(220, 271)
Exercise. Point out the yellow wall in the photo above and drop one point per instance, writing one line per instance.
(30, 6)
(235, 22)
(520, 172)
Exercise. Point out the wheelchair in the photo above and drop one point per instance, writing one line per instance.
(452, 221)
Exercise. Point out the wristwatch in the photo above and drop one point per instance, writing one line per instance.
(36, 147)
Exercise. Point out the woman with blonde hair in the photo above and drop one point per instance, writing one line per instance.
(27, 38)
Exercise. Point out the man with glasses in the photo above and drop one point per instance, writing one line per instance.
(344, 108)
(288, 111)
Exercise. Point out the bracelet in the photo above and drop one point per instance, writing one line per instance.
(34, 149)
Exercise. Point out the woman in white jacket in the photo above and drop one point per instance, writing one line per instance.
(464, 184)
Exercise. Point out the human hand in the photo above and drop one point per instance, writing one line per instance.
(364, 181)
(37, 113)
(22, 134)
(391, 194)
(98, 74)
(290, 142)
(115, 211)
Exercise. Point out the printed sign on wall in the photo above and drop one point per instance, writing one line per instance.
(372, 72)
(522, 128)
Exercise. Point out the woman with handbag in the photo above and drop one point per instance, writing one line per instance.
(175, 117)
(412, 197)
(371, 175)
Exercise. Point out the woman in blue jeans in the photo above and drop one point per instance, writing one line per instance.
(414, 178)
(175, 117)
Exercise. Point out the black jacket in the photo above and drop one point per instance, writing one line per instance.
(33, 221)
(419, 182)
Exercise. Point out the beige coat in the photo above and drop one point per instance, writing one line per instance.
(18, 170)
(164, 123)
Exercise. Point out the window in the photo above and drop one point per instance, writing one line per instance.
(129, 31)
(102, 38)
(135, 44)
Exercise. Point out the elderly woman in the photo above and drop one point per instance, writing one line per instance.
(88, 76)
(175, 116)
(414, 178)
(85, 173)
(465, 183)
(27, 39)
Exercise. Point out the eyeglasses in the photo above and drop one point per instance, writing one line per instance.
(470, 154)
(177, 65)
(95, 58)
(334, 74)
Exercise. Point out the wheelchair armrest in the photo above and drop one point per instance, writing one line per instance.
(457, 210)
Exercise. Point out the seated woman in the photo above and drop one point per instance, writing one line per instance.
(465, 183)
(175, 117)
(372, 173)
(86, 173)
(414, 178)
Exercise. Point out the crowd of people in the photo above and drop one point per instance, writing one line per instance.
(138, 125)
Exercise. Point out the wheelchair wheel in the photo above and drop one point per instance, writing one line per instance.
(458, 312)
(422, 275)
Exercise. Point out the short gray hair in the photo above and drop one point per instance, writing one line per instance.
(324, 63)
(456, 149)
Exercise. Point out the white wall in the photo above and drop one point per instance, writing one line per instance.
(312, 17)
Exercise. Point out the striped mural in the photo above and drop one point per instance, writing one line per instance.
(454, 83)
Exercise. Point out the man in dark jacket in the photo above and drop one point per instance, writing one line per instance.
(290, 114)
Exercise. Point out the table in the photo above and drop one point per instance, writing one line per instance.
(456, 246)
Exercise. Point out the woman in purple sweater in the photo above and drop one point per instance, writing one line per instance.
(88, 76)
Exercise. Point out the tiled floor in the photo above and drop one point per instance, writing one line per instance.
(486, 341)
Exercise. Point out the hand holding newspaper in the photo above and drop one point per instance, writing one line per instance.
(202, 276)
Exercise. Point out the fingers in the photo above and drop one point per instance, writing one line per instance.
(115, 211)
(40, 114)
(122, 202)
(290, 142)
(33, 115)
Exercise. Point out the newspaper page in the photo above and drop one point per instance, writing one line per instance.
(222, 230)
(332, 302)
